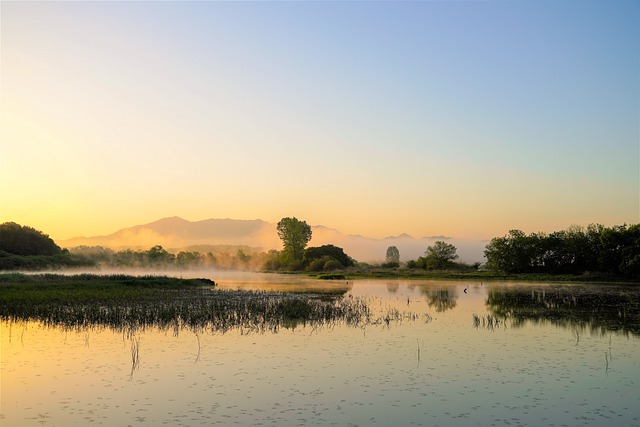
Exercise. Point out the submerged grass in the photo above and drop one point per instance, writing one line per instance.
(130, 303)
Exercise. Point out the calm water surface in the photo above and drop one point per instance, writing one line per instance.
(497, 354)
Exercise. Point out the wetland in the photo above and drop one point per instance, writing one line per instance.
(267, 349)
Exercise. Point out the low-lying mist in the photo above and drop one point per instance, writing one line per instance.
(227, 236)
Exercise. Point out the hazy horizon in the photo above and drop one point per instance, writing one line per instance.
(464, 119)
(175, 233)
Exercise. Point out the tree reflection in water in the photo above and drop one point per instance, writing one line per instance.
(599, 309)
(441, 299)
(392, 287)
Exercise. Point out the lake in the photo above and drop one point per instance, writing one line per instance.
(459, 354)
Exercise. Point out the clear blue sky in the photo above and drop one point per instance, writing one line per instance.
(439, 117)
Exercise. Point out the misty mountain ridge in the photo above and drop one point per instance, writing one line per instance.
(176, 232)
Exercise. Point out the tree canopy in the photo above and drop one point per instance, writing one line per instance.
(295, 235)
(326, 257)
(393, 255)
(23, 240)
(576, 250)
(440, 256)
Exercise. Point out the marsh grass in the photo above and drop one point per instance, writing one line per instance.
(488, 321)
(135, 354)
(129, 304)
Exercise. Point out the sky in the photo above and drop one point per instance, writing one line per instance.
(457, 118)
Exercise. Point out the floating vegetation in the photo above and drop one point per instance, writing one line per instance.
(129, 304)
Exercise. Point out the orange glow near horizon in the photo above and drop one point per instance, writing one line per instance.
(250, 118)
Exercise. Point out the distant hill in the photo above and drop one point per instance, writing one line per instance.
(175, 232)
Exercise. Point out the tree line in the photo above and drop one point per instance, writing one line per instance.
(157, 257)
(576, 250)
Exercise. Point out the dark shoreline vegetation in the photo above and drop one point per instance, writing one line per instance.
(132, 303)
(578, 254)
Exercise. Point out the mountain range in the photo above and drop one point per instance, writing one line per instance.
(175, 233)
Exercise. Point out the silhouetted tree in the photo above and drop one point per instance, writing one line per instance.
(295, 235)
(157, 255)
(187, 259)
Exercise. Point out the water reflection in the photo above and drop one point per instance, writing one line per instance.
(441, 300)
(393, 287)
(439, 372)
(599, 309)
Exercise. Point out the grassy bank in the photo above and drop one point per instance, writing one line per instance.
(20, 288)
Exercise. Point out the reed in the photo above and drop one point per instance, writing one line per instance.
(488, 321)
(130, 304)
(135, 355)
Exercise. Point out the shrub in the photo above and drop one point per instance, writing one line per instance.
(316, 265)
(331, 265)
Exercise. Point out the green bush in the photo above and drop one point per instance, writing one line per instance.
(316, 265)
(332, 265)
(390, 264)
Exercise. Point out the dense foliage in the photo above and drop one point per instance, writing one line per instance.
(439, 256)
(25, 248)
(295, 235)
(392, 257)
(326, 258)
(40, 262)
(23, 240)
(596, 249)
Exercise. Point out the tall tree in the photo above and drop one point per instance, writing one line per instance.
(295, 235)
(393, 255)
